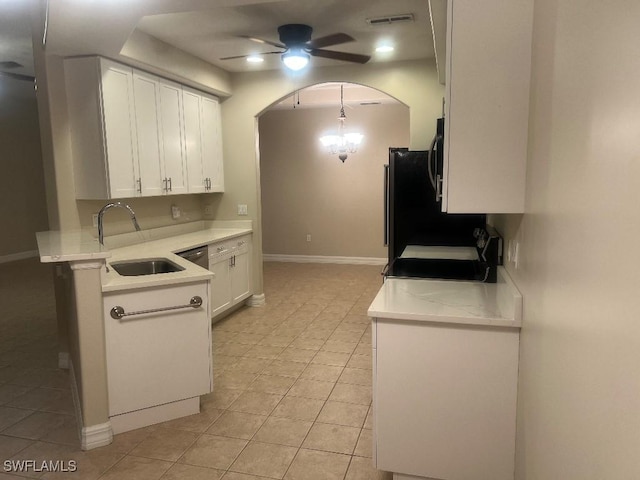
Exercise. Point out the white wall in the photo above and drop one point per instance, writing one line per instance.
(305, 190)
(579, 390)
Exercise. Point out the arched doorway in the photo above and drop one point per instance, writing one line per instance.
(315, 208)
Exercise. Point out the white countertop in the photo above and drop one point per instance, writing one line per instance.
(166, 248)
(56, 246)
(443, 301)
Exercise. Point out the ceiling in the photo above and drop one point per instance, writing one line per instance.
(328, 95)
(212, 29)
(15, 37)
(214, 33)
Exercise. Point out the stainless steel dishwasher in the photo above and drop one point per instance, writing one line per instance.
(198, 255)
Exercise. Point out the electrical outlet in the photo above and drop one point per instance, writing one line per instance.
(308, 237)
(94, 219)
(176, 212)
(242, 210)
(208, 209)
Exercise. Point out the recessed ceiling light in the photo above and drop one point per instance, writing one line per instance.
(255, 59)
(384, 49)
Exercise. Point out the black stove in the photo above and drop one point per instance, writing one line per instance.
(475, 264)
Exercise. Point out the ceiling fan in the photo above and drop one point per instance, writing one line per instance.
(298, 46)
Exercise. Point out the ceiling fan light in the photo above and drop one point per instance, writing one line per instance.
(384, 48)
(295, 59)
(255, 59)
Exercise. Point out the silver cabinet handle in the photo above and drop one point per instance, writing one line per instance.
(170, 186)
(164, 181)
(139, 182)
(118, 312)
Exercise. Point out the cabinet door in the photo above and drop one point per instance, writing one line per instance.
(456, 414)
(220, 284)
(119, 129)
(171, 139)
(488, 70)
(240, 277)
(146, 93)
(212, 144)
(193, 141)
(154, 359)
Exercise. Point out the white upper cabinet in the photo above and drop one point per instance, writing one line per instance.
(102, 124)
(212, 143)
(174, 162)
(135, 134)
(146, 99)
(488, 62)
(203, 140)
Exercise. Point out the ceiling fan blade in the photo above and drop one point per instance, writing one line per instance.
(17, 76)
(252, 55)
(263, 41)
(344, 56)
(329, 40)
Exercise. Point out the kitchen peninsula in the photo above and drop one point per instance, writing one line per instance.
(137, 367)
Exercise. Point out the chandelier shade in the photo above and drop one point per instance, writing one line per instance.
(343, 143)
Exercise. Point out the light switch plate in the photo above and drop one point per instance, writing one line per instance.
(242, 210)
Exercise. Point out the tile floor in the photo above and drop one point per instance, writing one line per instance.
(292, 392)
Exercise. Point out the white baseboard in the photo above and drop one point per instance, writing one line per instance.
(18, 256)
(152, 415)
(324, 259)
(93, 436)
(96, 436)
(256, 300)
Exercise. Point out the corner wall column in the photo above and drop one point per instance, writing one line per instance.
(88, 355)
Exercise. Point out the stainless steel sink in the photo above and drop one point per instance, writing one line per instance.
(149, 266)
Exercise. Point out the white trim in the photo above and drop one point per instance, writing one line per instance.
(322, 259)
(63, 360)
(152, 415)
(12, 257)
(256, 300)
(96, 436)
(93, 436)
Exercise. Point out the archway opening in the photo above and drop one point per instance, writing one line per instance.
(315, 207)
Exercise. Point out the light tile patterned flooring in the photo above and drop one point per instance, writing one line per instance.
(292, 392)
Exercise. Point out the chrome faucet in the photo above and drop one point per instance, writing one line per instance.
(132, 214)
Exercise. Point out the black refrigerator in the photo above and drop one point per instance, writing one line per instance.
(412, 214)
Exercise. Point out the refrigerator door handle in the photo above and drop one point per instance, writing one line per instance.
(386, 205)
(430, 161)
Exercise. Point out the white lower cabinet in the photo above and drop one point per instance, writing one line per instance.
(230, 262)
(156, 359)
(444, 400)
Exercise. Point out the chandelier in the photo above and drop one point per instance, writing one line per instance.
(342, 143)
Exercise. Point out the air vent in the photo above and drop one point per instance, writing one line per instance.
(10, 64)
(405, 17)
